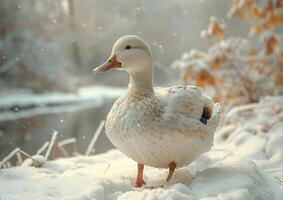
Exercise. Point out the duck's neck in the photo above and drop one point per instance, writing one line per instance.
(142, 80)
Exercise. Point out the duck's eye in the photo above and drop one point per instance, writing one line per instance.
(128, 47)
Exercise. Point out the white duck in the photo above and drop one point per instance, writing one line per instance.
(160, 127)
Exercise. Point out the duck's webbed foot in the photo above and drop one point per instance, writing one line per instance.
(172, 167)
(139, 180)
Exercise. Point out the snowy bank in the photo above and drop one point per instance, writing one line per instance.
(256, 131)
(243, 164)
(18, 105)
(111, 176)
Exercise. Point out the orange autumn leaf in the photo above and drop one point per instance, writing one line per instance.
(215, 30)
(204, 78)
(271, 43)
(215, 64)
(281, 56)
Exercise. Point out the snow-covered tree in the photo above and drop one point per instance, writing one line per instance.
(240, 70)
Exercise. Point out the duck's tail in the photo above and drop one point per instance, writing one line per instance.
(213, 122)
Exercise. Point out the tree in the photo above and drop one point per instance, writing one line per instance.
(236, 71)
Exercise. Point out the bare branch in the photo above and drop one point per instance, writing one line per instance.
(61, 145)
(42, 149)
(94, 138)
(7, 158)
(19, 158)
(52, 142)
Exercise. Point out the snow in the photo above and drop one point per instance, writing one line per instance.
(255, 131)
(92, 178)
(243, 164)
(34, 161)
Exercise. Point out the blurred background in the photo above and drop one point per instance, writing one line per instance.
(49, 47)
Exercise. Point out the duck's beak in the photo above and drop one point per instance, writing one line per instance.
(111, 63)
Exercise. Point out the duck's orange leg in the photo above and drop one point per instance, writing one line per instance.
(172, 167)
(139, 180)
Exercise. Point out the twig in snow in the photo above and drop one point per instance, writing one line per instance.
(6, 164)
(94, 138)
(52, 142)
(34, 161)
(42, 149)
(106, 169)
(7, 158)
(61, 145)
(26, 154)
(20, 158)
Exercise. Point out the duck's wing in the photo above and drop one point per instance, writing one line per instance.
(190, 103)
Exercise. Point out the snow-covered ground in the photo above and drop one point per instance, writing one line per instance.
(246, 162)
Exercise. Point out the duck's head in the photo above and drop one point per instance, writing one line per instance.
(129, 53)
